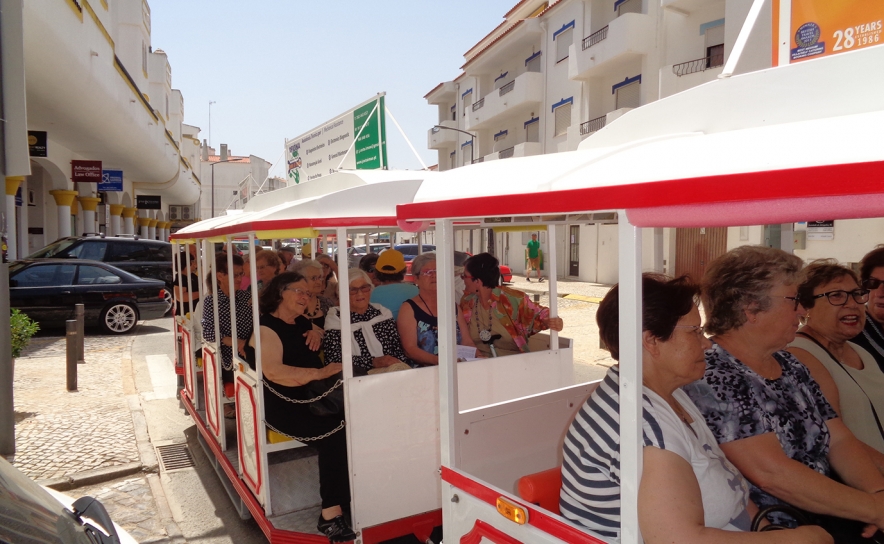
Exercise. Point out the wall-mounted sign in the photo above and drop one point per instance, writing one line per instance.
(86, 171)
(111, 180)
(148, 202)
(821, 230)
(37, 143)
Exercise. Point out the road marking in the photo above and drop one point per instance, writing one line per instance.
(583, 298)
(162, 377)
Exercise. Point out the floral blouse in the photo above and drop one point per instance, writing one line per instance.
(738, 403)
(521, 317)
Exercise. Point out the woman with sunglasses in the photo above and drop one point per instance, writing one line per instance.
(871, 273)
(501, 320)
(288, 365)
(766, 410)
(418, 320)
(243, 304)
(375, 339)
(848, 374)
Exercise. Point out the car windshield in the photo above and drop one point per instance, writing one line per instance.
(54, 249)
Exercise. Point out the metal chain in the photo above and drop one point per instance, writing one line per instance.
(307, 439)
(298, 401)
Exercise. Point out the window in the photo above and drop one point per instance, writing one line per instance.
(628, 6)
(562, 114)
(466, 153)
(532, 63)
(714, 36)
(563, 43)
(161, 253)
(128, 251)
(452, 161)
(92, 250)
(500, 80)
(94, 275)
(454, 112)
(45, 275)
(628, 93)
(532, 130)
(500, 136)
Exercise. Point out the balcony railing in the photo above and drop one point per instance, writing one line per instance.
(595, 38)
(506, 153)
(698, 65)
(478, 105)
(508, 87)
(593, 125)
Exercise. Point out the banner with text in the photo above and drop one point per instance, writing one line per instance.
(818, 28)
(334, 145)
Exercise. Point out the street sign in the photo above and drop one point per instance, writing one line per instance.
(86, 171)
(111, 180)
(148, 202)
(821, 230)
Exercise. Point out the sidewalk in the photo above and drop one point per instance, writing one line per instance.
(92, 441)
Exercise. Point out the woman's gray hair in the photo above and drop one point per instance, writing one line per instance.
(358, 273)
(309, 263)
(741, 281)
(419, 262)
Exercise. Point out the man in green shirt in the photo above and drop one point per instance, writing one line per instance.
(533, 254)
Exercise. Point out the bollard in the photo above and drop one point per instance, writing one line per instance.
(80, 316)
(71, 362)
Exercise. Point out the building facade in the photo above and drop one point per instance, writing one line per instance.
(230, 180)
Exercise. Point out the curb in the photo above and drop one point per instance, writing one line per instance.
(91, 477)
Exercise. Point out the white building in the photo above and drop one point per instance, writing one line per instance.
(226, 176)
(94, 89)
(553, 73)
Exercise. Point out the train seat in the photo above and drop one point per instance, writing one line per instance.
(542, 488)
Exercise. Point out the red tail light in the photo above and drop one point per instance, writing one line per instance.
(162, 294)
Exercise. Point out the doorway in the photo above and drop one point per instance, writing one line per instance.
(574, 251)
(696, 248)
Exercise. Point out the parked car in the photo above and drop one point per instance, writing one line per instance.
(150, 259)
(30, 513)
(409, 251)
(355, 253)
(47, 290)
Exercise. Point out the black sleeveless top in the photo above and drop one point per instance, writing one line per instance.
(294, 350)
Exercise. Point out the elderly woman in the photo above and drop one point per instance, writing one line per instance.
(185, 298)
(318, 306)
(417, 323)
(288, 365)
(329, 278)
(501, 320)
(267, 266)
(871, 273)
(847, 374)
(766, 411)
(243, 306)
(375, 340)
(689, 492)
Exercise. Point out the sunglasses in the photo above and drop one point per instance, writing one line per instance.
(840, 297)
(872, 283)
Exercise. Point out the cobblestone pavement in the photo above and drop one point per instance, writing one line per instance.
(131, 505)
(60, 433)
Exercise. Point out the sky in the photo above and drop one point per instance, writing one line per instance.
(276, 69)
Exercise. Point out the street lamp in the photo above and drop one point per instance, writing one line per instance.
(210, 121)
(470, 134)
(212, 166)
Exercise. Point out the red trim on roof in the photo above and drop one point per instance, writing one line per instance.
(514, 8)
(433, 90)
(490, 45)
(816, 181)
(485, 37)
(552, 4)
(231, 158)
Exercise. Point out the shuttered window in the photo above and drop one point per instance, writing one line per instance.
(452, 161)
(629, 96)
(562, 119)
(532, 63)
(532, 131)
(715, 36)
(466, 152)
(563, 42)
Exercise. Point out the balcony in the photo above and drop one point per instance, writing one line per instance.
(578, 133)
(680, 77)
(517, 98)
(525, 149)
(605, 51)
(687, 5)
(441, 139)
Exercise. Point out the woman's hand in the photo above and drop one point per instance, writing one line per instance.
(314, 339)
(554, 324)
(330, 370)
(240, 344)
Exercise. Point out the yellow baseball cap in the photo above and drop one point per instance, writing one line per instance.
(390, 262)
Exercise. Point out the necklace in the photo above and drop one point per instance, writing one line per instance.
(485, 330)
(427, 305)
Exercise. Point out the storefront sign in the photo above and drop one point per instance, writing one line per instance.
(148, 202)
(821, 230)
(818, 28)
(111, 180)
(37, 143)
(86, 171)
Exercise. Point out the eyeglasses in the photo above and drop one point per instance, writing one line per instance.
(364, 289)
(313, 278)
(840, 297)
(466, 277)
(872, 283)
(298, 291)
(428, 272)
(793, 299)
(697, 329)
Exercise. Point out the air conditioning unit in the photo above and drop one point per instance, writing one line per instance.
(175, 213)
(186, 212)
(180, 213)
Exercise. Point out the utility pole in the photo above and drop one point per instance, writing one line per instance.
(210, 126)
(212, 167)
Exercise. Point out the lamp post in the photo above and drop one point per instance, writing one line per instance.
(212, 166)
(210, 122)
(470, 134)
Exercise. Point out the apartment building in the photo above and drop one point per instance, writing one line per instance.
(95, 90)
(229, 180)
(554, 73)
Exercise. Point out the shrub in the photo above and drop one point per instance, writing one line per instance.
(23, 328)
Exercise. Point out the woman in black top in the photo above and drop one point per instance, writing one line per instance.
(183, 294)
(288, 365)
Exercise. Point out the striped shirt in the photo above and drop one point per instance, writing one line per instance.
(590, 493)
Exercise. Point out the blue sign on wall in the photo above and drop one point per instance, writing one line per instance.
(111, 180)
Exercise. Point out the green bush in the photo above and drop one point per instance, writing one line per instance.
(23, 328)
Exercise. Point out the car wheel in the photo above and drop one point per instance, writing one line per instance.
(119, 318)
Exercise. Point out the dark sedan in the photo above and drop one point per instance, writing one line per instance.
(47, 290)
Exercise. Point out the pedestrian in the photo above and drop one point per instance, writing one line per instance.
(532, 252)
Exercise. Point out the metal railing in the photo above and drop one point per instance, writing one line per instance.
(595, 38)
(478, 105)
(508, 87)
(506, 153)
(698, 65)
(593, 125)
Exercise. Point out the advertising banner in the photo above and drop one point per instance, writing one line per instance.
(821, 230)
(86, 171)
(334, 145)
(37, 143)
(819, 28)
(148, 202)
(111, 180)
